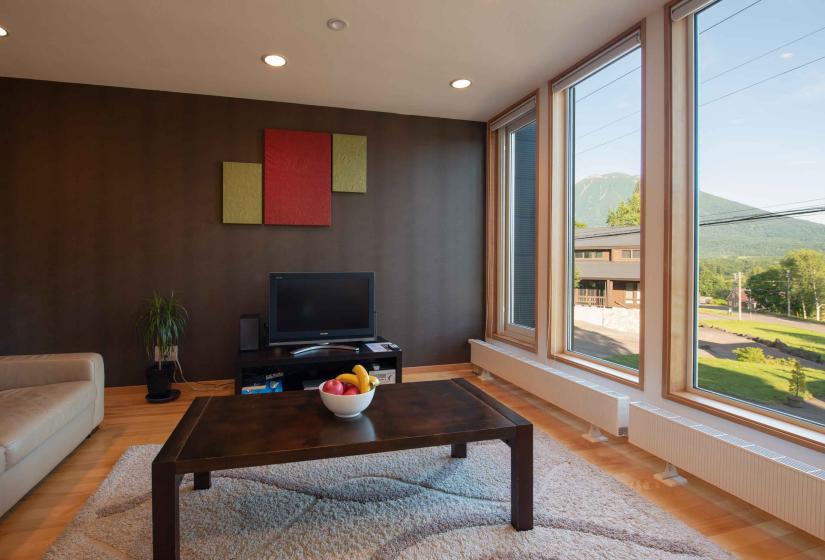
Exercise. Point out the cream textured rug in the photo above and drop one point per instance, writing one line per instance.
(410, 504)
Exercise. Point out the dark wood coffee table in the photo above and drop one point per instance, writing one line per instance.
(218, 433)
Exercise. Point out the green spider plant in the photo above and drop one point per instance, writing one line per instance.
(162, 325)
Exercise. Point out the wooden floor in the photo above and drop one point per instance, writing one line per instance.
(30, 527)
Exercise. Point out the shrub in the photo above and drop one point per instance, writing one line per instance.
(751, 354)
(797, 384)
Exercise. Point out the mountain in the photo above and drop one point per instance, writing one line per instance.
(598, 194)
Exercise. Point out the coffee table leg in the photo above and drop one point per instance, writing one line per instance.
(458, 450)
(203, 480)
(165, 528)
(521, 479)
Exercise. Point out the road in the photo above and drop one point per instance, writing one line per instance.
(761, 318)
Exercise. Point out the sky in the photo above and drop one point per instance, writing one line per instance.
(762, 144)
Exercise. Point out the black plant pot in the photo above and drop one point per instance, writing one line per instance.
(159, 382)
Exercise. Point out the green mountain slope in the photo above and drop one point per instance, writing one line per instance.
(597, 195)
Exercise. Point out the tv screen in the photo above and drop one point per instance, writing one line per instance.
(308, 307)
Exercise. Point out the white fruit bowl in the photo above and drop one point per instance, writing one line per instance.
(347, 406)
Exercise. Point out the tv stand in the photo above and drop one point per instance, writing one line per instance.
(320, 364)
(324, 346)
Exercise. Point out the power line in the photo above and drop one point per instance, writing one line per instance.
(738, 219)
(765, 216)
(740, 90)
(734, 14)
(764, 54)
(607, 84)
(729, 70)
(608, 124)
(632, 132)
(750, 209)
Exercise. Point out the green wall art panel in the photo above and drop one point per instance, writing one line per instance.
(242, 193)
(349, 163)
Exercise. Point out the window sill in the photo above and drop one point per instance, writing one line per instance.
(617, 373)
(811, 438)
(523, 343)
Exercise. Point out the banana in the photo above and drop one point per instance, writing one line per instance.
(363, 378)
(373, 381)
(350, 378)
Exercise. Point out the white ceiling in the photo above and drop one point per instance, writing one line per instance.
(397, 55)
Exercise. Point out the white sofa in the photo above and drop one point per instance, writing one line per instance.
(48, 405)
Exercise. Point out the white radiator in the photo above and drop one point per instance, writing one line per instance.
(601, 407)
(789, 489)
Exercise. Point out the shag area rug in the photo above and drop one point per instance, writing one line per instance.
(418, 504)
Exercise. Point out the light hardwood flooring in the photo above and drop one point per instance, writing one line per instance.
(31, 526)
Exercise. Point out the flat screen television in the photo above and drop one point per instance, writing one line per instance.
(321, 307)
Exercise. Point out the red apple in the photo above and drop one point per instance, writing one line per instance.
(333, 387)
(351, 390)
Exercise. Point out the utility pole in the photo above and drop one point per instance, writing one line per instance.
(739, 293)
(788, 291)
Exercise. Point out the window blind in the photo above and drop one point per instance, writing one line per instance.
(611, 53)
(524, 227)
(687, 7)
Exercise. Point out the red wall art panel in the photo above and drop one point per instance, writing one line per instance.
(297, 178)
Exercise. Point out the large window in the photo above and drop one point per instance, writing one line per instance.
(747, 138)
(514, 139)
(760, 138)
(602, 157)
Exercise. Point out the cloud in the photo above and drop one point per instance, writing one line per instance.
(786, 55)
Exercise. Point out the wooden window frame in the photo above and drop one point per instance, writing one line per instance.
(557, 338)
(678, 354)
(496, 325)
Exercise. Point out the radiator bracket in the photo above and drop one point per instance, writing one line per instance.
(670, 476)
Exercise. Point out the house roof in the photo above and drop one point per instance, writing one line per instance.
(607, 270)
(608, 238)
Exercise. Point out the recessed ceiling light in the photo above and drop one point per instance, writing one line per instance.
(461, 83)
(3, 32)
(337, 24)
(275, 60)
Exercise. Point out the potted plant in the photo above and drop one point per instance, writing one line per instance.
(797, 385)
(162, 326)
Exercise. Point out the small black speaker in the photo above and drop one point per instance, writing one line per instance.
(250, 332)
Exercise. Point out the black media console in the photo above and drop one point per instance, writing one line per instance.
(309, 366)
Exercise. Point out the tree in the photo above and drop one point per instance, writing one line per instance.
(807, 268)
(628, 212)
(768, 289)
(712, 283)
(797, 384)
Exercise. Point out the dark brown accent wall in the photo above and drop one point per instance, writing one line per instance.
(107, 194)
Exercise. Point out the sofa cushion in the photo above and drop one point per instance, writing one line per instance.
(31, 415)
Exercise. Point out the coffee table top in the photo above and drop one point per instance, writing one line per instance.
(248, 430)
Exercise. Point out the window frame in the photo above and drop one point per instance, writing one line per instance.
(497, 312)
(561, 251)
(680, 258)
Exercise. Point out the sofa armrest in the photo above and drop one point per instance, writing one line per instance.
(44, 369)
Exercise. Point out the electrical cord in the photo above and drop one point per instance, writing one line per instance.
(194, 384)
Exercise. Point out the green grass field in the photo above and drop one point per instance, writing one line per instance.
(627, 360)
(711, 311)
(762, 383)
(792, 336)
